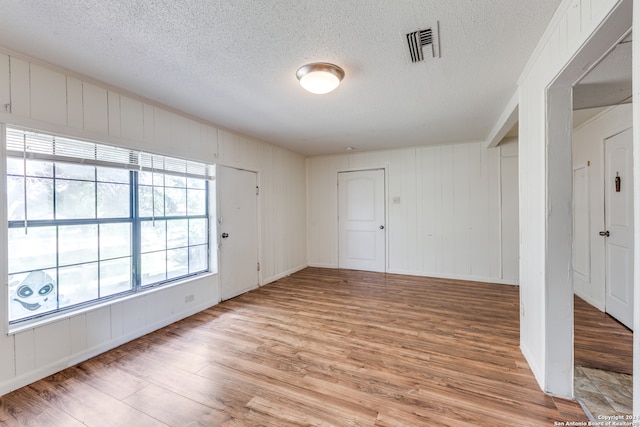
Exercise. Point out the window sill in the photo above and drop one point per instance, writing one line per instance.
(55, 317)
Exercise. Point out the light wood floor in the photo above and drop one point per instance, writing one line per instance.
(600, 341)
(321, 347)
(603, 355)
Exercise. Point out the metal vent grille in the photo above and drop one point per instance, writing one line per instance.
(417, 39)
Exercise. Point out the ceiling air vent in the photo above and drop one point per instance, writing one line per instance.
(418, 39)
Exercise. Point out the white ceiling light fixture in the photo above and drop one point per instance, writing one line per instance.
(320, 77)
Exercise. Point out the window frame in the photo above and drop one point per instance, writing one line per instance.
(134, 219)
(137, 238)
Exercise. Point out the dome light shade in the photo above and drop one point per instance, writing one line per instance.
(320, 77)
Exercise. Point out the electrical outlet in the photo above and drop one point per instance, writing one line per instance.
(189, 298)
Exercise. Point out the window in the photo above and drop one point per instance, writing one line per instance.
(173, 225)
(89, 222)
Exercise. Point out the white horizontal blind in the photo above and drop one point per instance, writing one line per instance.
(171, 165)
(40, 146)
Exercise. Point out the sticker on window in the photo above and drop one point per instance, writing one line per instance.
(31, 293)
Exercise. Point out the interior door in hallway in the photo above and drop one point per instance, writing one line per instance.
(619, 227)
(361, 220)
(238, 228)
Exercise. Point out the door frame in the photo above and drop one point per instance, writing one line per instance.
(217, 225)
(557, 319)
(385, 168)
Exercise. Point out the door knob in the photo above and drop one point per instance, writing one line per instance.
(225, 235)
(604, 233)
(382, 227)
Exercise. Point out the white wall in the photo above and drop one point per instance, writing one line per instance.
(509, 219)
(49, 99)
(588, 147)
(545, 195)
(446, 222)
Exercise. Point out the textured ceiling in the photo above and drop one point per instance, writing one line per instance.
(233, 63)
(609, 82)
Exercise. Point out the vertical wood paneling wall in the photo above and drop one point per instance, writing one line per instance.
(49, 99)
(588, 146)
(443, 210)
(572, 25)
(509, 219)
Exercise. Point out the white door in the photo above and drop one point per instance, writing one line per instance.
(361, 220)
(619, 227)
(238, 230)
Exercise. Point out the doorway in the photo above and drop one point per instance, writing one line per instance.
(238, 228)
(550, 176)
(601, 254)
(361, 220)
(603, 233)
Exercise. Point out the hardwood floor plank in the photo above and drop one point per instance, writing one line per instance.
(89, 405)
(319, 347)
(108, 379)
(570, 409)
(280, 386)
(214, 393)
(301, 415)
(600, 341)
(24, 407)
(394, 417)
(174, 409)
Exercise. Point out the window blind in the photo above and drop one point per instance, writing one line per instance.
(41, 146)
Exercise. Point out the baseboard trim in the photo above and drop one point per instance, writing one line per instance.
(284, 274)
(590, 300)
(469, 278)
(320, 265)
(533, 367)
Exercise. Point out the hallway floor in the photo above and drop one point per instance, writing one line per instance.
(604, 393)
(603, 379)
